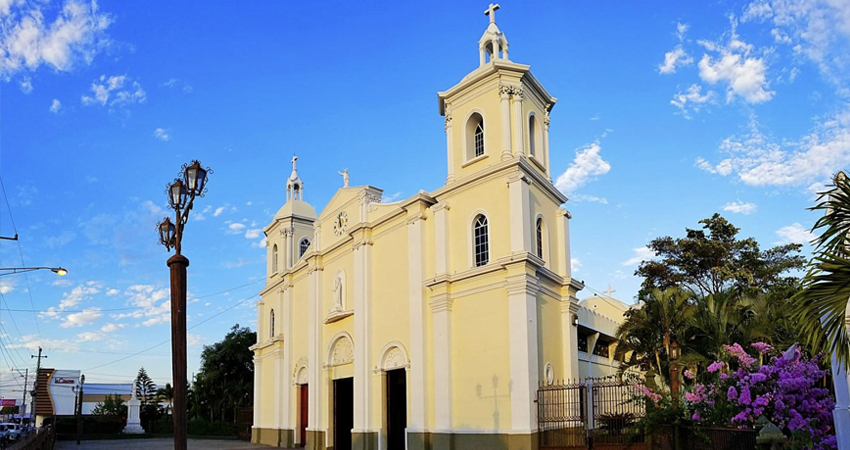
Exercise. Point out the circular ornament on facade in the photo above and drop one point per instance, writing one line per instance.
(340, 223)
(550, 374)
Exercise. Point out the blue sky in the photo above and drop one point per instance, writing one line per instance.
(667, 113)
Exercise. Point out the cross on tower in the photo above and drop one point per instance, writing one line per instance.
(491, 11)
(609, 291)
(294, 158)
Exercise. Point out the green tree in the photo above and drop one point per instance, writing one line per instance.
(821, 305)
(646, 334)
(112, 407)
(225, 381)
(712, 259)
(145, 387)
(165, 394)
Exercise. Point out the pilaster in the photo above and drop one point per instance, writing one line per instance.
(505, 105)
(258, 367)
(517, 122)
(441, 310)
(314, 354)
(362, 330)
(285, 371)
(520, 219)
(569, 336)
(524, 352)
(546, 145)
(416, 351)
(441, 236)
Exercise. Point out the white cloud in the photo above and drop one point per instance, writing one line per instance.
(78, 294)
(154, 304)
(584, 168)
(32, 343)
(6, 286)
(641, 254)
(161, 134)
(260, 244)
(734, 65)
(253, 233)
(110, 327)
(90, 336)
(26, 85)
(87, 316)
(575, 264)
(794, 234)
(112, 292)
(235, 228)
(681, 29)
(674, 58)
(113, 87)
(758, 160)
(28, 40)
(578, 198)
(218, 211)
(819, 30)
(391, 197)
(192, 339)
(740, 207)
(55, 106)
(692, 100)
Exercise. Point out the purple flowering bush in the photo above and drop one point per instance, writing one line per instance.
(784, 390)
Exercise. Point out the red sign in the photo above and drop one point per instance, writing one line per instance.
(7, 402)
(64, 381)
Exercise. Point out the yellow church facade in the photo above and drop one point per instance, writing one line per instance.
(428, 323)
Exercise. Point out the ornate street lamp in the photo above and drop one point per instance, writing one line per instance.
(181, 195)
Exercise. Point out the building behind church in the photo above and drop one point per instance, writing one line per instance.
(430, 322)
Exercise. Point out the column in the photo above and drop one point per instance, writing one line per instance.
(841, 414)
(505, 95)
(546, 145)
(517, 122)
(450, 146)
(315, 432)
(416, 276)
(363, 435)
(441, 308)
(522, 326)
(563, 247)
(441, 238)
(258, 367)
(520, 219)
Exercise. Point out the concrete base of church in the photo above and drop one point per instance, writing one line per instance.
(466, 441)
(315, 440)
(273, 436)
(367, 440)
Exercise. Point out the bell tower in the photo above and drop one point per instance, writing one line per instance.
(497, 112)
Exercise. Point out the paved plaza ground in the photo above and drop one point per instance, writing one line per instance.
(156, 444)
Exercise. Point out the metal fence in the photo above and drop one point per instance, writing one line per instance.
(594, 413)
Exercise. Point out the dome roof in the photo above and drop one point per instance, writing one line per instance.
(296, 208)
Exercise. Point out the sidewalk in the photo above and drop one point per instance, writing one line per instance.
(155, 444)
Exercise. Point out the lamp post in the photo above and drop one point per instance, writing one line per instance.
(13, 270)
(181, 196)
(675, 352)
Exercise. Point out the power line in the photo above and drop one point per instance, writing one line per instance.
(3, 329)
(169, 340)
(21, 253)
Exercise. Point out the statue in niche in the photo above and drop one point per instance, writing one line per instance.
(338, 306)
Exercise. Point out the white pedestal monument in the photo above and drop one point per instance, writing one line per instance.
(134, 423)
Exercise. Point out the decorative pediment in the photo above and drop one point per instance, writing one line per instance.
(342, 351)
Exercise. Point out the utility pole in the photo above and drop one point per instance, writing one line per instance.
(80, 409)
(35, 385)
(24, 401)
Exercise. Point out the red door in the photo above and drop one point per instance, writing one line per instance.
(302, 422)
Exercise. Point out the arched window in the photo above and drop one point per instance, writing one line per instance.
(271, 324)
(479, 139)
(274, 259)
(531, 134)
(303, 246)
(540, 237)
(474, 139)
(481, 247)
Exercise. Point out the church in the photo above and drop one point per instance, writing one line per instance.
(430, 322)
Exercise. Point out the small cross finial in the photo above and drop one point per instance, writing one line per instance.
(491, 11)
(609, 291)
(294, 159)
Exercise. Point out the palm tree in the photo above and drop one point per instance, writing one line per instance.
(165, 394)
(821, 304)
(649, 331)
